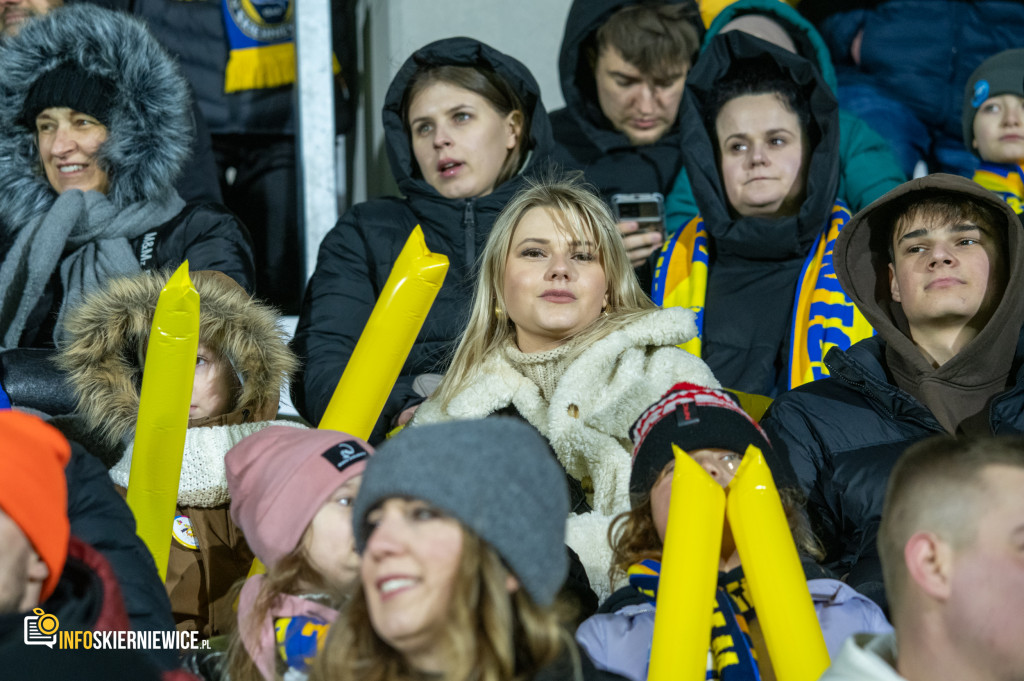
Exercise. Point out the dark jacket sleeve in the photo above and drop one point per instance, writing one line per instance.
(210, 237)
(101, 518)
(799, 460)
(30, 378)
(339, 298)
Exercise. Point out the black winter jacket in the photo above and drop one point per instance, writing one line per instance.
(755, 262)
(102, 519)
(195, 33)
(357, 255)
(585, 139)
(838, 438)
(208, 235)
(86, 598)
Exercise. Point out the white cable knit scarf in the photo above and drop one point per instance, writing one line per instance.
(203, 481)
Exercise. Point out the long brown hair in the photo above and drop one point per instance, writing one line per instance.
(294, 575)
(491, 634)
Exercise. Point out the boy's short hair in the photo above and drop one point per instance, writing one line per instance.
(656, 39)
(1000, 74)
(936, 486)
(944, 207)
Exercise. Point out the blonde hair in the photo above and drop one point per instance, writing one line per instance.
(586, 218)
(490, 634)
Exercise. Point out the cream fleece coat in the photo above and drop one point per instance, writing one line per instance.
(588, 419)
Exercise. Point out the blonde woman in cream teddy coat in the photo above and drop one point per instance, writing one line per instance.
(584, 394)
(104, 359)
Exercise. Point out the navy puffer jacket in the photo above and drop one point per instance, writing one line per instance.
(919, 51)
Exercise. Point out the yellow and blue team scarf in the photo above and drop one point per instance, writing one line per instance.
(299, 638)
(1005, 179)
(732, 651)
(823, 315)
(261, 40)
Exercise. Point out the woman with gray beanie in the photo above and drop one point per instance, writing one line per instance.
(461, 527)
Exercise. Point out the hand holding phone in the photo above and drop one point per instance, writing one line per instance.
(641, 220)
(648, 210)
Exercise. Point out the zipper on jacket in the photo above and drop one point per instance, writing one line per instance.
(469, 230)
(865, 387)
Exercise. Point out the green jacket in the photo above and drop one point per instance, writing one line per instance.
(867, 166)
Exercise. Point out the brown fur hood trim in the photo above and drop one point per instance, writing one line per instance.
(109, 328)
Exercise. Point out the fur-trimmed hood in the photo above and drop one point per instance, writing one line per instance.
(587, 420)
(108, 329)
(598, 397)
(150, 124)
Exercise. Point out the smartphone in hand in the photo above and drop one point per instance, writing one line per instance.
(648, 209)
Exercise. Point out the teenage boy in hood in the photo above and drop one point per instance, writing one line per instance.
(936, 265)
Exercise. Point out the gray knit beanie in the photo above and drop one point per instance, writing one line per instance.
(1000, 74)
(497, 476)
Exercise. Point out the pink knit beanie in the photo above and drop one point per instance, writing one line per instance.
(281, 476)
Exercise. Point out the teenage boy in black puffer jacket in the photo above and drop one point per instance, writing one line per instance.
(937, 267)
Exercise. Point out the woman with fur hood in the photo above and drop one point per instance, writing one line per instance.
(95, 124)
(242, 361)
(561, 335)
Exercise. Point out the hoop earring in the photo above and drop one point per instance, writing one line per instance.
(499, 314)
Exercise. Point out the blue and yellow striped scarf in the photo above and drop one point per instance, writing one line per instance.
(261, 41)
(823, 315)
(1005, 179)
(299, 638)
(732, 656)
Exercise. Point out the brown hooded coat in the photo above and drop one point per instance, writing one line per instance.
(108, 333)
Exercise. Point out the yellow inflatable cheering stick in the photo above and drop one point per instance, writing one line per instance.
(776, 580)
(689, 574)
(387, 339)
(163, 414)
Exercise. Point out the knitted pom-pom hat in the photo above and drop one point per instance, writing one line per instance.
(691, 417)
